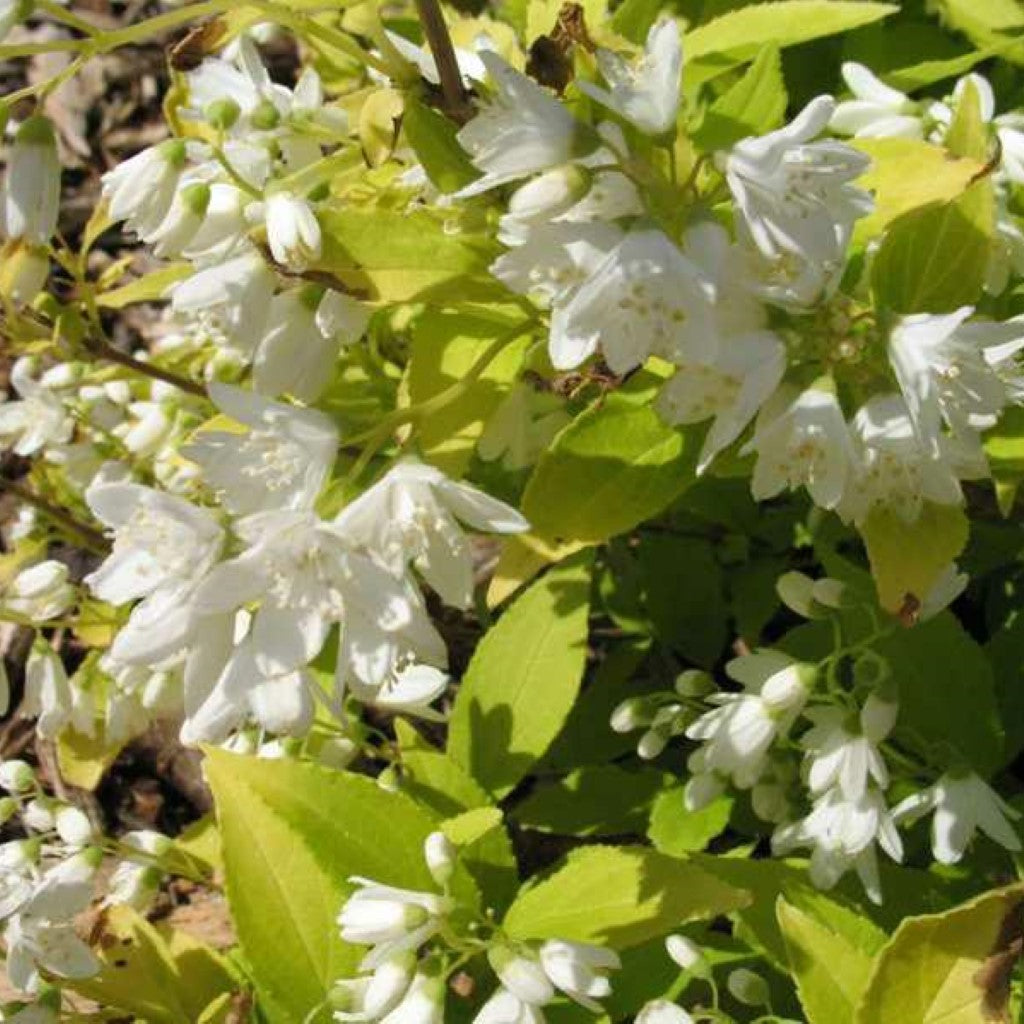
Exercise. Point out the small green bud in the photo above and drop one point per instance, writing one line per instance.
(748, 988)
(196, 198)
(222, 114)
(266, 116)
(36, 131)
(174, 152)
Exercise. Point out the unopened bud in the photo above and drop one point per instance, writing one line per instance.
(652, 743)
(222, 114)
(686, 954)
(73, 826)
(629, 715)
(694, 683)
(265, 116)
(747, 987)
(796, 591)
(16, 776)
(440, 855)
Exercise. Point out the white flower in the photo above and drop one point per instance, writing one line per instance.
(522, 427)
(35, 944)
(471, 67)
(306, 577)
(280, 461)
(521, 972)
(410, 690)
(579, 970)
(377, 995)
(794, 200)
(440, 855)
(293, 232)
(296, 355)
(841, 754)
(423, 1002)
(136, 882)
(47, 691)
(542, 200)
(236, 294)
(877, 110)
(223, 224)
(520, 132)
(182, 221)
(37, 418)
(892, 469)
(963, 804)
(66, 889)
(801, 439)
(644, 298)
(661, 1011)
(140, 190)
(842, 834)
(391, 920)
(410, 515)
(163, 546)
(647, 93)
(739, 732)
(745, 373)
(31, 192)
(941, 364)
(505, 1007)
(553, 260)
(39, 592)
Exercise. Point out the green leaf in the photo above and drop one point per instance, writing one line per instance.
(676, 831)
(983, 21)
(619, 896)
(293, 833)
(633, 19)
(831, 971)
(756, 104)
(1004, 447)
(430, 776)
(147, 288)
(523, 679)
(738, 35)
(934, 260)
(907, 558)
(950, 968)
(398, 257)
(616, 465)
(140, 973)
(906, 174)
(486, 851)
(941, 671)
(968, 131)
(601, 800)
(432, 137)
(444, 346)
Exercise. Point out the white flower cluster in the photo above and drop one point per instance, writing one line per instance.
(798, 741)
(403, 979)
(49, 877)
(743, 315)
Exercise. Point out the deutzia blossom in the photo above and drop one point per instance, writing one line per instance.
(579, 970)
(163, 546)
(738, 733)
(941, 365)
(801, 439)
(520, 132)
(390, 920)
(661, 1011)
(844, 753)
(505, 1007)
(471, 67)
(794, 198)
(962, 804)
(746, 371)
(37, 418)
(140, 190)
(31, 190)
(647, 93)
(47, 691)
(877, 110)
(293, 232)
(39, 592)
(280, 461)
(410, 516)
(410, 689)
(644, 298)
(842, 834)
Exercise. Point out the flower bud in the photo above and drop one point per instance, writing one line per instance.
(829, 593)
(523, 976)
(16, 776)
(787, 689)
(265, 116)
(38, 815)
(440, 856)
(694, 683)
(701, 790)
(222, 114)
(661, 1011)
(630, 714)
(747, 987)
(652, 743)
(73, 826)
(687, 955)
(31, 198)
(796, 591)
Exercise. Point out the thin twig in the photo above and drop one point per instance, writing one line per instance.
(90, 538)
(103, 349)
(456, 101)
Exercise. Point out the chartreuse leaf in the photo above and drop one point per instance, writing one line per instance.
(599, 800)
(293, 833)
(738, 35)
(432, 137)
(614, 466)
(907, 558)
(620, 897)
(906, 174)
(677, 831)
(949, 968)
(444, 347)
(982, 21)
(433, 778)
(756, 104)
(161, 980)
(1004, 446)
(968, 131)
(486, 851)
(147, 288)
(830, 970)
(523, 679)
(397, 257)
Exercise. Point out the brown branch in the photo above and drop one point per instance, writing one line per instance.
(456, 102)
(90, 538)
(102, 349)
